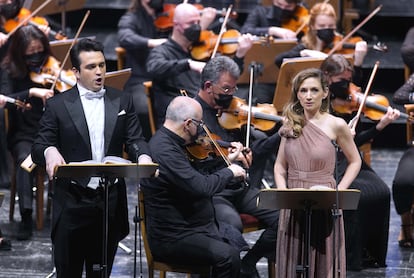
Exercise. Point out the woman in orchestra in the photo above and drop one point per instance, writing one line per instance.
(403, 183)
(366, 229)
(280, 20)
(318, 41)
(29, 50)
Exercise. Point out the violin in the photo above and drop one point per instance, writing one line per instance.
(375, 105)
(204, 147)
(19, 104)
(298, 21)
(348, 47)
(48, 74)
(203, 49)
(24, 13)
(164, 19)
(263, 117)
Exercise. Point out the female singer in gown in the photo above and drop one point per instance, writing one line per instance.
(306, 158)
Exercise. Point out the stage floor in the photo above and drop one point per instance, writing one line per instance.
(33, 258)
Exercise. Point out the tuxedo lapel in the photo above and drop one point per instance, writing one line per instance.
(112, 102)
(74, 106)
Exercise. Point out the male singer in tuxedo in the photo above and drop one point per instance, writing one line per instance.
(87, 122)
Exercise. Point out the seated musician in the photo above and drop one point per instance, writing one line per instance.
(179, 210)
(12, 14)
(28, 52)
(171, 65)
(321, 37)
(140, 30)
(218, 85)
(280, 20)
(366, 229)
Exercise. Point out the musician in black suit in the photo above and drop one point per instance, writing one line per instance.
(87, 122)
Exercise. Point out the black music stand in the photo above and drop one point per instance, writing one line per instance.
(308, 200)
(105, 172)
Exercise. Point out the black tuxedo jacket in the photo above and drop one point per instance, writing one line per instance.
(64, 126)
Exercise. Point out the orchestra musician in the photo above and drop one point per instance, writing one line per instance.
(280, 20)
(171, 65)
(180, 217)
(29, 49)
(218, 85)
(138, 34)
(403, 182)
(366, 229)
(88, 122)
(405, 93)
(321, 36)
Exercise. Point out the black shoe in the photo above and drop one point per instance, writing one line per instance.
(24, 231)
(248, 271)
(5, 245)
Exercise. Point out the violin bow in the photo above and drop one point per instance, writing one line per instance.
(70, 47)
(222, 30)
(223, 155)
(339, 44)
(25, 20)
(352, 124)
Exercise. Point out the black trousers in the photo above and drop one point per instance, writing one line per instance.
(78, 235)
(224, 258)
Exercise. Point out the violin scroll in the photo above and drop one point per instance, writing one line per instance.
(19, 104)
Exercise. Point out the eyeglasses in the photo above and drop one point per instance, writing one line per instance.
(197, 122)
(227, 90)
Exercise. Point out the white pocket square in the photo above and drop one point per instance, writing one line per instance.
(122, 113)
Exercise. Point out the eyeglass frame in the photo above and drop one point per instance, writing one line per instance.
(227, 91)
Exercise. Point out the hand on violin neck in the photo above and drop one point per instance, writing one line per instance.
(390, 116)
(237, 152)
(245, 42)
(41, 93)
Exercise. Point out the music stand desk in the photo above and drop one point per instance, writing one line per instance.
(308, 200)
(105, 171)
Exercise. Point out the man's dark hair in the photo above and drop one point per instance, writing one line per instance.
(84, 45)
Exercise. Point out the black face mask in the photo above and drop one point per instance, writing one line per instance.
(340, 89)
(224, 100)
(11, 10)
(192, 33)
(199, 132)
(281, 14)
(326, 35)
(157, 5)
(36, 60)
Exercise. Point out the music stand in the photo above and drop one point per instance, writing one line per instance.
(1, 198)
(308, 200)
(58, 6)
(264, 54)
(290, 67)
(118, 78)
(105, 172)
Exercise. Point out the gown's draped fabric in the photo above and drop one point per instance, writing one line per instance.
(311, 160)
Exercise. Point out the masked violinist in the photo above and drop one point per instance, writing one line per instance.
(366, 229)
(280, 20)
(218, 85)
(29, 49)
(171, 66)
(322, 33)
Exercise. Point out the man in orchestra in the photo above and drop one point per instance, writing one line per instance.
(179, 209)
(218, 84)
(280, 20)
(88, 122)
(171, 66)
